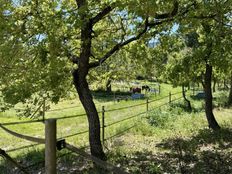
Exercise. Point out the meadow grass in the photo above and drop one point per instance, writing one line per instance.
(158, 127)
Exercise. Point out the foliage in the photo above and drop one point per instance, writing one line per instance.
(144, 148)
(45, 38)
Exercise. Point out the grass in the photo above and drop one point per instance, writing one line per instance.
(168, 139)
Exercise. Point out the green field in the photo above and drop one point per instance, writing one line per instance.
(166, 139)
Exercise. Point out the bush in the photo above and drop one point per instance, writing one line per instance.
(160, 118)
(165, 116)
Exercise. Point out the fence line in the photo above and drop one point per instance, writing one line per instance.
(72, 116)
(110, 124)
(75, 149)
(80, 115)
(72, 135)
(126, 107)
(84, 114)
(55, 110)
(25, 137)
(176, 99)
(21, 122)
(121, 132)
(23, 147)
(140, 104)
(156, 107)
(157, 99)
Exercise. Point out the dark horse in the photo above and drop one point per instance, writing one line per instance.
(146, 88)
(135, 90)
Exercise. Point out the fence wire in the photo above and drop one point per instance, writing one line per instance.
(72, 135)
(82, 115)
(72, 116)
(128, 118)
(126, 107)
(121, 132)
(22, 122)
(23, 147)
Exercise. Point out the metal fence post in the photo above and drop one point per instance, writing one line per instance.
(159, 89)
(170, 97)
(103, 125)
(50, 146)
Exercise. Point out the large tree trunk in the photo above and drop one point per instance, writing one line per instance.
(81, 84)
(209, 99)
(189, 107)
(230, 93)
(86, 99)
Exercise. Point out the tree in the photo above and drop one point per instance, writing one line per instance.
(179, 71)
(202, 31)
(50, 38)
(210, 50)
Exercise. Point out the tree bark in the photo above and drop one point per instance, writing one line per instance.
(86, 99)
(81, 84)
(229, 102)
(209, 99)
(189, 107)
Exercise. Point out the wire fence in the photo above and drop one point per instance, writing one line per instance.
(22, 122)
(121, 132)
(128, 118)
(72, 135)
(23, 147)
(84, 114)
(126, 107)
(103, 126)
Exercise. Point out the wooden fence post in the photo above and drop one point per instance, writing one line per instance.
(50, 146)
(170, 97)
(103, 125)
(147, 104)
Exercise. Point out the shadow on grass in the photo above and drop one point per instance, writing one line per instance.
(205, 153)
(67, 163)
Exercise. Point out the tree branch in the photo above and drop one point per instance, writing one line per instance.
(119, 45)
(168, 16)
(102, 14)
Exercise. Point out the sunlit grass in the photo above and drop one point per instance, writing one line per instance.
(173, 121)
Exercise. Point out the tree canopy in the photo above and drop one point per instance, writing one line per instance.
(49, 46)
